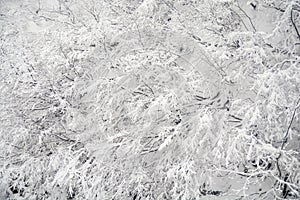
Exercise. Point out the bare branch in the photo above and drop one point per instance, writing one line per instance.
(294, 24)
(290, 124)
(249, 18)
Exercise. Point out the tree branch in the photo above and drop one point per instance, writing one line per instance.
(294, 25)
(249, 18)
(285, 138)
(290, 124)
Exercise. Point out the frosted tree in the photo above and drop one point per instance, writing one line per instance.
(151, 99)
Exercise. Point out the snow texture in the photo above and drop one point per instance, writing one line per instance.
(149, 99)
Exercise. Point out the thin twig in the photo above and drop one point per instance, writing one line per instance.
(138, 92)
(249, 18)
(274, 7)
(285, 138)
(140, 36)
(65, 139)
(290, 124)
(294, 24)
(151, 90)
(240, 19)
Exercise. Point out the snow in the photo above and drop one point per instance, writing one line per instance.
(150, 99)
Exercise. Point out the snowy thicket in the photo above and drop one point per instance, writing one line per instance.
(153, 99)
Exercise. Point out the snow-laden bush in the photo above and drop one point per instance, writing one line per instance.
(150, 99)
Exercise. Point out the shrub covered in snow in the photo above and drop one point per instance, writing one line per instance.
(152, 99)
